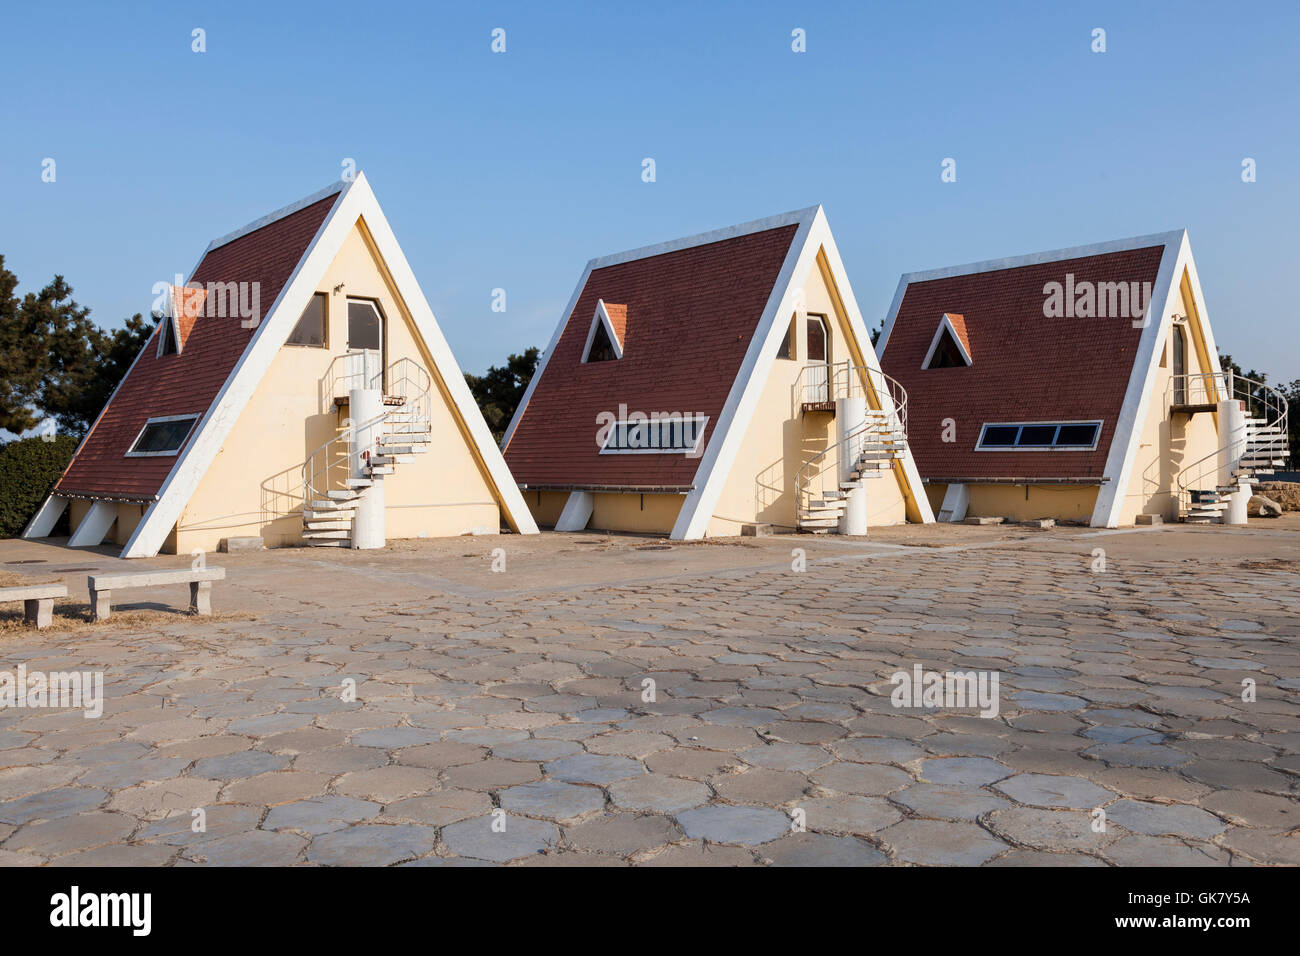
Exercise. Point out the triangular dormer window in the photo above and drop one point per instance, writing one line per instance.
(948, 348)
(603, 344)
(167, 337)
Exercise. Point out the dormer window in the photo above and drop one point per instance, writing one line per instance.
(167, 337)
(603, 341)
(949, 348)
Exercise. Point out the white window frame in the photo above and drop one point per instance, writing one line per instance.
(602, 317)
(946, 323)
(191, 418)
(703, 421)
(980, 446)
(172, 327)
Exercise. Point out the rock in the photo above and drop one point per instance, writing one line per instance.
(1264, 507)
(1285, 493)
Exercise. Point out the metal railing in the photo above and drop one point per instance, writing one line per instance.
(824, 382)
(1261, 402)
(408, 409)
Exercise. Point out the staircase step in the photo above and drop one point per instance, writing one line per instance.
(326, 535)
(341, 495)
(358, 482)
(328, 542)
(328, 514)
(319, 525)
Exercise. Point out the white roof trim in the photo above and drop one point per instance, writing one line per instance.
(1015, 262)
(601, 316)
(355, 201)
(256, 224)
(724, 445)
(1138, 396)
(945, 323)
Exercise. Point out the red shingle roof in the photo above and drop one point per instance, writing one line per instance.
(689, 317)
(1025, 367)
(188, 382)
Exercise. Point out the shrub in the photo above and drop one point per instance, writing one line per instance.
(29, 467)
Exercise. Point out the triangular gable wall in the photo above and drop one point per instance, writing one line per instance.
(812, 240)
(355, 202)
(1175, 263)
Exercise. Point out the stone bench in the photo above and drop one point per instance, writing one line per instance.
(200, 581)
(38, 601)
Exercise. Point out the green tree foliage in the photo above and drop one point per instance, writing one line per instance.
(54, 361)
(499, 390)
(29, 467)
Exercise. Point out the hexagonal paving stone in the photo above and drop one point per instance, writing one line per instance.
(948, 801)
(623, 834)
(1141, 850)
(659, 793)
(234, 766)
(1045, 790)
(60, 802)
(1034, 700)
(521, 837)
(80, 832)
(722, 823)
(865, 778)
(964, 771)
(782, 756)
(876, 750)
(371, 845)
(536, 750)
(322, 815)
(395, 738)
(254, 848)
(941, 844)
(1050, 829)
(817, 849)
(848, 814)
(553, 800)
(1155, 819)
(593, 768)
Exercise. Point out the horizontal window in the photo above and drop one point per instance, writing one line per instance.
(669, 435)
(162, 436)
(1038, 436)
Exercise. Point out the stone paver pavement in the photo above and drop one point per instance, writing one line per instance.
(741, 715)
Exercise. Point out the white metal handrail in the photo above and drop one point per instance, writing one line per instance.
(407, 393)
(1261, 401)
(827, 381)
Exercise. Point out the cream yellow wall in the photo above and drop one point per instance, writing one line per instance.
(253, 485)
(630, 511)
(1169, 443)
(760, 486)
(545, 506)
(935, 494)
(1015, 503)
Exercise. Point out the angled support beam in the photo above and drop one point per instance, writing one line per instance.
(577, 511)
(94, 526)
(42, 523)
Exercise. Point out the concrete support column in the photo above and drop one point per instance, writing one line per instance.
(1232, 433)
(95, 525)
(851, 415)
(365, 405)
(577, 511)
(42, 523)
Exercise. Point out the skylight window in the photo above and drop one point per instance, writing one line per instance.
(162, 436)
(1039, 436)
(667, 435)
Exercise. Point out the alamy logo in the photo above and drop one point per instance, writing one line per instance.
(221, 300)
(102, 909)
(1095, 300)
(36, 689)
(948, 689)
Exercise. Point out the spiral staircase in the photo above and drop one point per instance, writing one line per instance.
(823, 485)
(1206, 486)
(339, 474)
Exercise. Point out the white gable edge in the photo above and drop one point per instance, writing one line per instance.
(355, 201)
(1124, 444)
(724, 445)
(1013, 262)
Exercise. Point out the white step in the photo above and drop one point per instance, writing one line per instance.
(326, 535)
(341, 495)
(319, 525)
(328, 543)
(331, 504)
(382, 470)
(358, 482)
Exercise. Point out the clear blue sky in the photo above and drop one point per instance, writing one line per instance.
(511, 170)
